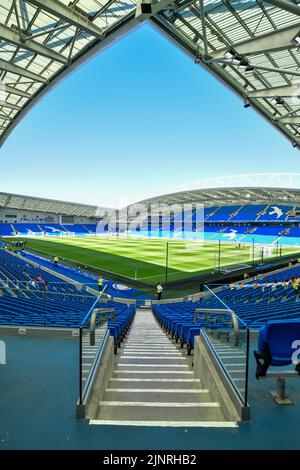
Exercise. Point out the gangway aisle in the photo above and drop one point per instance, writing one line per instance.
(153, 384)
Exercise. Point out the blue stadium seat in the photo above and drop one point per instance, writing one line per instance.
(276, 345)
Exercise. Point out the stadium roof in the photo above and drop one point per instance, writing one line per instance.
(250, 45)
(223, 196)
(28, 203)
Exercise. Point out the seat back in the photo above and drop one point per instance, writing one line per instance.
(280, 335)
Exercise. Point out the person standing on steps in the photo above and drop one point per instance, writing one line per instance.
(159, 289)
(100, 282)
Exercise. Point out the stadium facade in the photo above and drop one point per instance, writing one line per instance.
(229, 213)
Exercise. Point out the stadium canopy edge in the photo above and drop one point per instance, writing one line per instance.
(43, 41)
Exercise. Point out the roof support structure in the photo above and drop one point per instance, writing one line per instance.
(4, 117)
(291, 120)
(15, 91)
(294, 111)
(147, 8)
(285, 5)
(269, 42)
(283, 91)
(9, 106)
(203, 24)
(23, 41)
(68, 14)
(12, 68)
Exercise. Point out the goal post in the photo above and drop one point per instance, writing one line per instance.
(263, 251)
(67, 234)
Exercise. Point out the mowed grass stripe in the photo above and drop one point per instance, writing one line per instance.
(143, 258)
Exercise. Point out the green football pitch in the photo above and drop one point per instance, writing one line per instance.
(145, 259)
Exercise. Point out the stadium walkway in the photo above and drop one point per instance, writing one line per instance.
(153, 384)
(39, 391)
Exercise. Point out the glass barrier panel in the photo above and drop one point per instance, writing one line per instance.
(228, 337)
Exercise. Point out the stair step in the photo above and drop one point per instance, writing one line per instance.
(151, 360)
(168, 423)
(137, 411)
(157, 395)
(153, 384)
(142, 374)
(153, 366)
(146, 383)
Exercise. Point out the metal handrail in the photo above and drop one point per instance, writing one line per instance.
(93, 306)
(103, 317)
(234, 319)
(223, 303)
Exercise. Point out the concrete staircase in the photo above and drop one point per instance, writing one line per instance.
(153, 384)
(89, 352)
(234, 359)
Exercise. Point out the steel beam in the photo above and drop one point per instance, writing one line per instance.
(12, 68)
(269, 42)
(283, 91)
(3, 116)
(285, 5)
(290, 120)
(68, 14)
(13, 36)
(15, 91)
(9, 106)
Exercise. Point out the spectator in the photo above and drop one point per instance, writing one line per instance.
(159, 289)
(100, 282)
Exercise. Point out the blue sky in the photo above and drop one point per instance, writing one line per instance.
(139, 119)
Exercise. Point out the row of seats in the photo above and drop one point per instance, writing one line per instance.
(177, 319)
(246, 213)
(253, 306)
(59, 304)
(31, 228)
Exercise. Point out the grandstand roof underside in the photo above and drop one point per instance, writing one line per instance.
(208, 197)
(226, 196)
(44, 40)
(28, 203)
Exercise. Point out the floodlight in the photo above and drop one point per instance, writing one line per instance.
(296, 40)
(277, 101)
(246, 103)
(249, 71)
(243, 64)
(230, 54)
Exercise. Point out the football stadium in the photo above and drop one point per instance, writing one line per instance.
(172, 322)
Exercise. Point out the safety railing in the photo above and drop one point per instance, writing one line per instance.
(229, 340)
(93, 334)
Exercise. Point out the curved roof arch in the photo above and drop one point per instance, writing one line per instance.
(229, 196)
(250, 45)
(53, 206)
